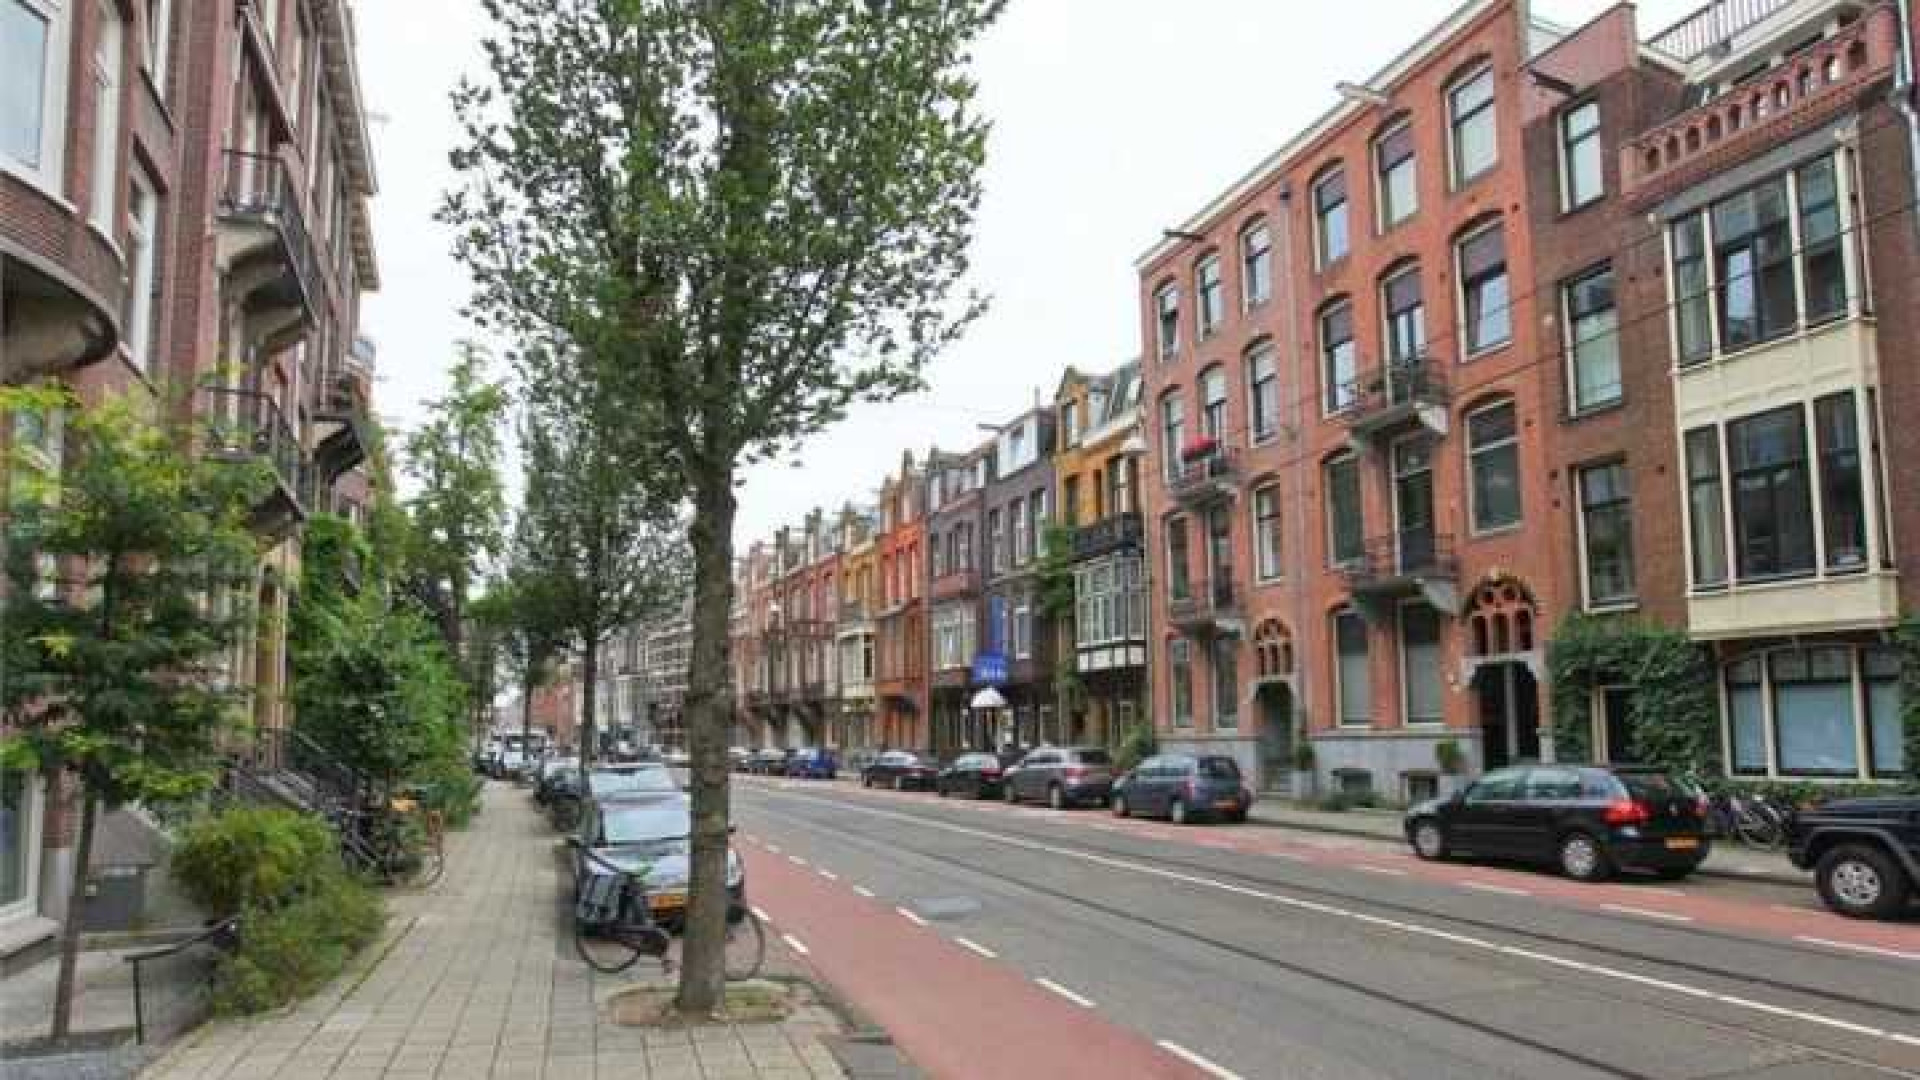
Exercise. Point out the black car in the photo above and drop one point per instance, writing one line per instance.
(976, 775)
(1864, 853)
(1588, 820)
(900, 770)
(1063, 776)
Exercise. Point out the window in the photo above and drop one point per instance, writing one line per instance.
(1166, 308)
(1813, 714)
(1406, 329)
(1397, 178)
(1220, 551)
(143, 239)
(1886, 749)
(1823, 259)
(1338, 359)
(158, 47)
(1180, 664)
(1420, 664)
(1070, 424)
(1753, 264)
(33, 62)
(1493, 457)
(1593, 340)
(1017, 525)
(1483, 288)
(1706, 509)
(1070, 502)
(1226, 682)
(1747, 717)
(18, 831)
(1582, 178)
(1817, 704)
(106, 118)
(1351, 679)
(1256, 265)
(1692, 292)
(1772, 501)
(1346, 540)
(1843, 514)
(996, 543)
(1179, 561)
(1173, 434)
(1606, 534)
(1263, 393)
(1211, 295)
(1330, 217)
(1213, 404)
(1023, 628)
(1470, 114)
(1267, 538)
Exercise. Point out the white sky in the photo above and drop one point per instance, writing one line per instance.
(1113, 119)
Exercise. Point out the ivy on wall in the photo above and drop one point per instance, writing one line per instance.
(1674, 717)
(1907, 640)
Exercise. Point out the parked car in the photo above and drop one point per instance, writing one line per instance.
(648, 837)
(739, 758)
(1864, 853)
(813, 764)
(770, 761)
(1063, 776)
(676, 758)
(642, 778)
(1184, 788)
(553, 771)
(976, 775)
(900, 770)
(1588, 820)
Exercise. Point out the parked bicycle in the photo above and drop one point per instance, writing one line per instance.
(404, 842)
(614, 925)
(1754, 820)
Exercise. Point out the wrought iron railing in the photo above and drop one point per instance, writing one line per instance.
(1202, 474)
(1407, 555)
(167, 1015)
(1397, 385)
(259, 188)
(249, 424)
(1109, 534)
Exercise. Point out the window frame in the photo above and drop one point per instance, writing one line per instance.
(1488, 110)
(1571, 343)
(1263, 413)
(1388, 215)
(1180, 681)
(1396, 320)
(1324, 213)
(1337, 395)
(1173, 433)
(1209, 315)
(1584, 531)
(48, 170)
(143, 268)
(1477, 452)
(107, 77)
(1344, 461)
(1340, 691)
(1256, 264)
(1467, 286)
(1166, 319)
(1570, 143)
(1179, 570)
(1269, 537)
(1406, 668)
(1808, 479)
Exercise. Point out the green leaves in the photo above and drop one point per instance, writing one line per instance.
(1675, 715)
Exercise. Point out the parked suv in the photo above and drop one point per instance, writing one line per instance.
(1588, 820)
(1062, 776)
(1184, 787)
(1864, 853)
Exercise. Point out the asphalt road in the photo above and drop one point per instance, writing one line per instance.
(994, 942)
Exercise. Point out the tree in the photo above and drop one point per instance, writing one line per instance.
(762, 210)
(130, 571)
(521, 615)
(458, 513)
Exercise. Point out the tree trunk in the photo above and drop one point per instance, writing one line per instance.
(526, 713)
(589, 739)
(64, 986)
(709, 707)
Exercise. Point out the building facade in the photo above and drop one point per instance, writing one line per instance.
(853, 726)
(900, 626)
(1017, 646)
(955, 485)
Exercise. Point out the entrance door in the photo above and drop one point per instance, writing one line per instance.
(1413, 502)
(1275, 701)
(1509, 714)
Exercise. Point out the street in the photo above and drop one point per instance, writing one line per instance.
(997, 941)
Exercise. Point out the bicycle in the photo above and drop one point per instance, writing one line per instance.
(407, 842)
(1753, 820)
(614, 924)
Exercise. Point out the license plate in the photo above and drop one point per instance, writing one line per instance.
(1682, 843)
(1227, 804)
(667, 901)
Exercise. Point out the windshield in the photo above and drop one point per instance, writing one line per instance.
(1219, 768)
(622, 781)
(1093, 757)
(1653, 786)
(658, 826)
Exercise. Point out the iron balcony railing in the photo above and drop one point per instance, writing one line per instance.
(1204, 476)
(1405, 557)
(248, 425)
(258, 188)
(1398, 388)
(1116, 532)
(1203, 602)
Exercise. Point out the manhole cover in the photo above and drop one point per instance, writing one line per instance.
(946, 908)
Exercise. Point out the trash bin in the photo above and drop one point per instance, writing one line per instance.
(116, 898)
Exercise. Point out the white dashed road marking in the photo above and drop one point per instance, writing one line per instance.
(826, 873)
(1646, 913)
(976, 947)
(1077, 999)
(1197, 1061)
(795, 944)
(1871, 950)
(1488, 886)
(862, 890)
(911, 917)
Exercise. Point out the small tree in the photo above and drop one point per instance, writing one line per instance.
(762, 210)
(458, 514)
(124, 560)
(520, 613)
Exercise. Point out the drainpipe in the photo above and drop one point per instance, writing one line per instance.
(1903, 85)
(1305, 626)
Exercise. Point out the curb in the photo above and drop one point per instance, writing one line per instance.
(1775, 877)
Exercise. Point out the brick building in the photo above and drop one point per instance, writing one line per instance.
(900, 626)
(1016, 508)
(852, 726)
(956, 605)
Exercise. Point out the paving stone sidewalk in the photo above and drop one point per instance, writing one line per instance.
(477, 978)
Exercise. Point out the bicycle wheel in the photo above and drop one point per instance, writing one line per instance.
(604, 948)
(433, 855)
(1755, 829)
(746, 948)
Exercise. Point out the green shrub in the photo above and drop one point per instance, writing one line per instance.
(1136, 746)
(252, 859)
(1340, 801)
(290, 951)
(1303, 757)
(449, 786)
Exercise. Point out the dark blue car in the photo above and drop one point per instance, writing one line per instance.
(812, 764)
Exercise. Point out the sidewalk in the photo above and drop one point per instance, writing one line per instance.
(1726, 860)
(477, 978)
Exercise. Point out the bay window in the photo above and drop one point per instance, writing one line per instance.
(1843, 513)
(1822, 258)
(1706, 510)
(33, 100)
(1772, 494)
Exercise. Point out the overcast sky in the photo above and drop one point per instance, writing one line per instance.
(1112, 120)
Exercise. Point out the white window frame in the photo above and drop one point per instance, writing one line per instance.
(1251, 362)
(157, 54)
(31, 830)
(1406, 678)
(1204, 326)
(1570, 345)
(1569, 199)
(1587, 603)
(1322, 258)
(1457, 177)
(1473, 455)
(143, 253)
(1383, 206)
(1468, 350)
(107, 77)
(1339, 683)
(1166, 300)
(1261, 570)
(48, 173)
(1249, 260)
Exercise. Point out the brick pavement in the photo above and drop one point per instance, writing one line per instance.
(477, 978)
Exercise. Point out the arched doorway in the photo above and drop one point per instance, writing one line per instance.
(1273, 698)
(1504, 661)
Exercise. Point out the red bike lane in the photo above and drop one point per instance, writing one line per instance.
(954, 1013)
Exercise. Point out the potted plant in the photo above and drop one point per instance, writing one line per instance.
(1452, 760)
(1303, 771)
(1199, 447)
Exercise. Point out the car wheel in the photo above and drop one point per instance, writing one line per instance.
(1056, 797)
(1582, 858)
(899, 783)
(1861, 882)
(1120, 805)
(1177, 811)
(866, 781)
(1012, 795)
(1429, 839)
(941, 787)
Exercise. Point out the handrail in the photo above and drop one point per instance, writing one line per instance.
(224, 934)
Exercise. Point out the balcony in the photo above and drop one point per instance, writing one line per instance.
(263, 245)
(1118, 532)
(1207, 473)
(1712, 27)
(1412, 562)
(343, 407)
(1813, 87)
(1207, 609)
(955, 584)
(1394, 398)
(247, 426)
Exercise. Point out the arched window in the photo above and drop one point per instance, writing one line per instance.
(1272, 650)
(1502, 615)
